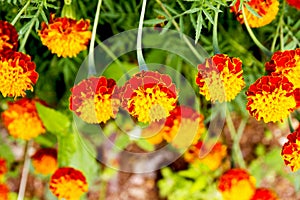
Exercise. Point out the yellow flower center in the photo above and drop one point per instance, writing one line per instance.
(87, 111)
(240, 190)
(46, 165)
(104, 107)
(292, 73)
(294, 157)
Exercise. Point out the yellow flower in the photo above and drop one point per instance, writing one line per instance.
(220, 78)
(44, 161)
(64, 36)
(267, 9)
(8, 37)
(68, 183)
(22, 120)
(17, 74)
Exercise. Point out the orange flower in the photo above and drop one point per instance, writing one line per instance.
(182, 128)
(3, 191)
(286, 63)
(68, 183)
(8, 37)
(213, 159)
(291, 150)
(22, 120)
(17, 74)
(149, 96)
(294, 3)
(271, 98)
(64, 36)
(220, 78)
(44, 161)
(264, 194)
(237, 184)
(267, 9)
(3, 167)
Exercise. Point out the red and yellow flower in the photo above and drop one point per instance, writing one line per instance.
(220, 78)
(44, 161)
(291, 150)
(271, 98)
(149, 96)
(8, 37)
(267, 9)
(68, 183)
(3, 191)
(17, 74)
(212, 160)
(3, 167)
(294, 3)
(286, 63)
(64, 36)
(237, 184)
(93, 101)
(22, 120)
(264, 194)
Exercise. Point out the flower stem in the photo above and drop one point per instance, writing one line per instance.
(252, 35)
(290, 124)
(215, 32)
(14, 21)
(91, 65)
(139, 52)
(279, 27)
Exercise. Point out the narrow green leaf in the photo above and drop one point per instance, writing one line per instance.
(252, 11)
(154, 21)
(144, 144)
(208, 17)
(199, 26)
(66, 148)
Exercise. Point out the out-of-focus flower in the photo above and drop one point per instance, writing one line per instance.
(44, 161)
(286, 63)
(3, 191)
(264, 194)
(182, 128)
(291, 150)
(68, 183)
(17, 74)
(8, 37)
(267, 9)
(22, 120)
(92, 100)
(149, 96)
(64, 36)
(3, 167)
(237, 184)
(271, 98)
(220, 78)
(213, 159)
(294, 3)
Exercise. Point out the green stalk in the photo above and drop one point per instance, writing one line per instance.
(215, 32)
(139, 52)
(14, 21)
(279, 27)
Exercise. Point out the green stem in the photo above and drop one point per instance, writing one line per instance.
(139, 52)
(215, 32)
(290, 124)
(14, 21)
(91, 65)
(253, 37)
(280, 23)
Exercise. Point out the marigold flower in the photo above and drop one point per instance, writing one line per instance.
(22, 120)
(68, 183)
(286, 63)
(213, 159)
(17, 74)
(44, 161)
(271, 98)
(64, 36)
(220, 78)
(237, 184)
(3, 191)
(92, 100)
(294, 3)
(3, 167)
(149, 96)
(291, 150)
(8, 37)
(264, 194)
(267, 9)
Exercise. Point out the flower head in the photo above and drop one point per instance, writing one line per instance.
(271, 98)
(3, 191)
(92, 99)
(22, 120)
(44, 161)
(182, 128)
(64, 36)
(17, 74)
(267, 9)
(294, 3)
(149, 96)
(8, 37)
(3, 167)
(237, 184)
(291, 150)
(264, 194)
(286, 63)
(220, 78)
(213, 159)
(68, 183)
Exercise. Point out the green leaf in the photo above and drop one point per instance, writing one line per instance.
(154, 21)
(199, 26)
(208, 17)
(121, 142)
(54, 121)
(144, 144)
(252, 11)
(66, 148)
